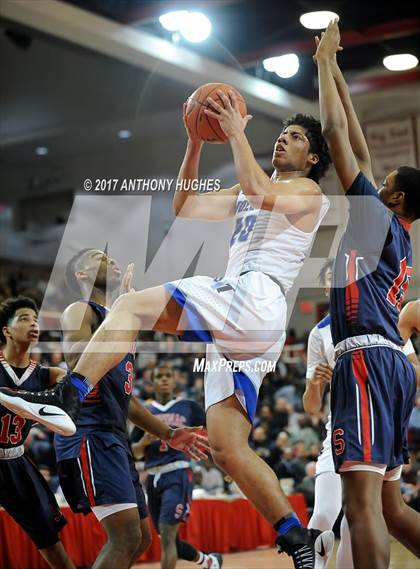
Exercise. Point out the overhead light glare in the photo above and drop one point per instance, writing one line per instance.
(195, 27)
(400, 61)
(317, 20)
(284, 66)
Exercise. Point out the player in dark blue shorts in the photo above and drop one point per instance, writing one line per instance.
(95, 465)
(374, 384)
(24, 493)
(169, 481)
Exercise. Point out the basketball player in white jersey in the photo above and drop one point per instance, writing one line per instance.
(409, 324)
(328, 496)
(243, 314)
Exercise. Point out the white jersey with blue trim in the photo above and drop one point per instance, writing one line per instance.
(266, 241)
(321, 351)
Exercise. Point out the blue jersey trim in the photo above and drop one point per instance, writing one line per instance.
(241, 381)
(197, 331)
(326, 321)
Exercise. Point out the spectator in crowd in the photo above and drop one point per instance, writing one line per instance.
(212, 480)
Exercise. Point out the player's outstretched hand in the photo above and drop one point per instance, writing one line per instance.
(191, 441)
(329, 43)
(127, 280)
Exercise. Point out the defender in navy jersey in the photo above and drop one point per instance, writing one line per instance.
(24, 493)
(373, 383)
(95, 465)
(169, 481)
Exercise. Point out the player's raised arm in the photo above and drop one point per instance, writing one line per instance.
(187, 202)
(187, 439)
(409, 320)
(356, 136)
(334, 122)
(318, 374)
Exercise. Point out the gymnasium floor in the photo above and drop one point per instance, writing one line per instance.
(269, 559)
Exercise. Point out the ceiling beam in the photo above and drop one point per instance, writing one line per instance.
(369, 84)
(149, 52)
(380, 32)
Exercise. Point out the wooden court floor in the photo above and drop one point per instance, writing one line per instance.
(270, 559)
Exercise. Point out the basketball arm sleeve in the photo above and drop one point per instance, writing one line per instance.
(316, 354)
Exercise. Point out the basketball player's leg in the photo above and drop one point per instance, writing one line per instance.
(362, 503)
(56, 557)
(169, 552)
(124, 539)
(403, 522)
(328, 504)
(151, 309)
(327, 501)
(146, 538)
(228, 429)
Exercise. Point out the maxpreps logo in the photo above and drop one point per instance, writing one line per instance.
(201, 365)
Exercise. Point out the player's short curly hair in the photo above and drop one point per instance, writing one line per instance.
(325, 267)
(8, 309)
(317, 143)
(407, 180)
(71, 269)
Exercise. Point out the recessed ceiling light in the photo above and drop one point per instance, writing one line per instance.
(400, 61)
(317, 20)
(41, 150)
(124, 133)
(195, 27)
(284, 66)
(172, 21)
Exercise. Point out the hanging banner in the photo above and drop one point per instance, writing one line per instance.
(391, 145)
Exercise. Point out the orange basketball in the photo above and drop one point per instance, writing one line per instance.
(205, 127)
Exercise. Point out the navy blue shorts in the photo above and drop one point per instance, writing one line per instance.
(26, 496)
(103, 474)
(169, 496)
(372, 396)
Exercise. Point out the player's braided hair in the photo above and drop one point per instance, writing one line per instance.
(317, 143)
(8, 309)
(407, 180)
(71, 269)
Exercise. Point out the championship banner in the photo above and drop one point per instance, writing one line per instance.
(391, 145)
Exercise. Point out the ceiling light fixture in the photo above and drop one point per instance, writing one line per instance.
(317, 20)
(172, 21)
(284, 66)
(195, 27)
(400, 61)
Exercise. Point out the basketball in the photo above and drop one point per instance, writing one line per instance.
(207, 128)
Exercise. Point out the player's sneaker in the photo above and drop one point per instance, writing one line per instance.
(217, 560)
(309, 549)
(56, 408)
